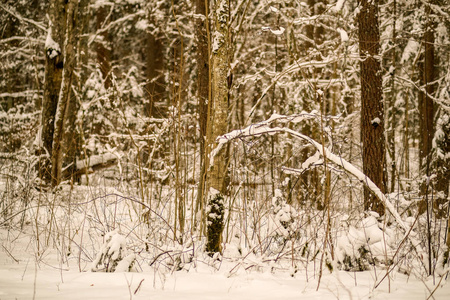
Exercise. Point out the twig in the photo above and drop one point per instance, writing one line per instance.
(139, 286)
(439, 283)
(15, 14)
(129, 285)
(156, 258)
(9, 253)
(389, 270)
(127, 198)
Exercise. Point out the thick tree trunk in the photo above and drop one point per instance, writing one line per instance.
(372, 114)
(218, 116)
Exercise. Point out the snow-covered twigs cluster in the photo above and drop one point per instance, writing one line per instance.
(113, 255)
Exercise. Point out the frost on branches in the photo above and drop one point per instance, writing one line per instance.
(113, 256)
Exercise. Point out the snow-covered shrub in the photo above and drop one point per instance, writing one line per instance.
(363, 244)
(113, 256)
(285, 217)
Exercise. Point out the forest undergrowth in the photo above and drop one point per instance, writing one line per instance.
(106, 226)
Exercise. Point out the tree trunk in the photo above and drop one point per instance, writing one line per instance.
(52, 84)
(391, 110)
(426, 106)
(203, 87)
(155, 87)
(218, 116)
(82, 43)
(61, 117)
(103, 46)
(372, 115)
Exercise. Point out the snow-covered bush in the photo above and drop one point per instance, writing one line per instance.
(285, 217)
(113, 256)
(363, 244)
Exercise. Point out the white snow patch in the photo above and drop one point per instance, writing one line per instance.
(95, 160)
(273, 9)
(142, 24)
(213, 192)
(279, 31)
(375, 121)
(410, 49)
(218, 40)
(52, 48)
(338, 5)
(344, 35)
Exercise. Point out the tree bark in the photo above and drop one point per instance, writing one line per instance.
(82, 43)
(372, 114)
(155, 87)
(61, 117)
(54, 65)
(203, 87)
(218, 116)
(426, 105)
(103, 47)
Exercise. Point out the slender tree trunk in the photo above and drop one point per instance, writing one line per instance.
(426, 110)
(64, 94)
(406, 137)
(372, 114)
(82, 42)
(155, 87)
(103, 47)
(203, 87)
(72, 142)
(391, 110)
(218, 117)
(52, 84)
(426, 106)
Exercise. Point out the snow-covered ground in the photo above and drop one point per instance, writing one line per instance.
(23, 275)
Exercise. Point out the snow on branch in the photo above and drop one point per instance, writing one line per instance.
(14, 13)
(264, 128)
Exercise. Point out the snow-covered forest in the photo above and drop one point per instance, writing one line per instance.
(224, 149)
